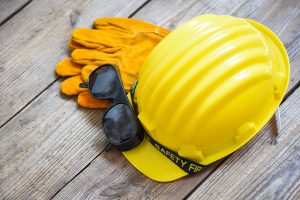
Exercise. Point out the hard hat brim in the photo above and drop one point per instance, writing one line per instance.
(152, 163)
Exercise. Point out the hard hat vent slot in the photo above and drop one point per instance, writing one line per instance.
(244, 131)
(146, 122)
(277, 85)
(191, 152)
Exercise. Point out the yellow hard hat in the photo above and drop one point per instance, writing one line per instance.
(205, 91)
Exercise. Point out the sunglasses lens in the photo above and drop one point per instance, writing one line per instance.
(122, 128)
(103, 82)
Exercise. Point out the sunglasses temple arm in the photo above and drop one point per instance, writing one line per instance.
(83, 85)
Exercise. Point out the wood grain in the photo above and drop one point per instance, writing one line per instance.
(46, 145)
(39, 152)
(263, 169)
(34, 40)
(8, 8)
(49, 142)
(42, 147)
(118, 180)
(111, 176)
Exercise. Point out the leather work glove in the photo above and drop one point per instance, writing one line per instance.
(123, 42)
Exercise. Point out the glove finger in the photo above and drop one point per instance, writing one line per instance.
(105, 39)
(81, 44)
(87, 45)
(74, 45)
(94, 57)
(86, 100)
(70, 86)
(87, 70)
(94, 38)
(119, 24)
(127, 25)
(68, 68)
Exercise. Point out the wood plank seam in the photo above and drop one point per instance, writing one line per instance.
(15, 13)
(291, 91)
(268, 168)
(49, 85)
(139, 8)
(285, 98)
(33, 35)
(198, 184)
(204, 179)
(58, 191)
(102, 151)
(149, 1)
(131, 15)
(29, 102)
(35, 97)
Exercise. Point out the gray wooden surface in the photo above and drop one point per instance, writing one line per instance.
(51, 148)
(10, 8)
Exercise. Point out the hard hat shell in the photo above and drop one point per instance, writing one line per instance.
(206, 90)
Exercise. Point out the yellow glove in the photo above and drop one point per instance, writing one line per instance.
(124, 42)
(70, 86)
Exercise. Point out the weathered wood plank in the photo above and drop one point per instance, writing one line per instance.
(35, 161)
(34, 40)
(48, 143)
(38, 149)
(10, 7)
(262, 169)
(131, 184)
(113, 177)
(170, 14)
(117, 179)
(32, 168)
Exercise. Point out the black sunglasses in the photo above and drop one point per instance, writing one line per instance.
(120, 123)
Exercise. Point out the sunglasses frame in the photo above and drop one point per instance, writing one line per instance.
(119, 97)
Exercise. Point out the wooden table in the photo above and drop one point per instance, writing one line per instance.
(52, 149)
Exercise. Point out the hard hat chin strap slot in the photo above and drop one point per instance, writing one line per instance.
(186, 165)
